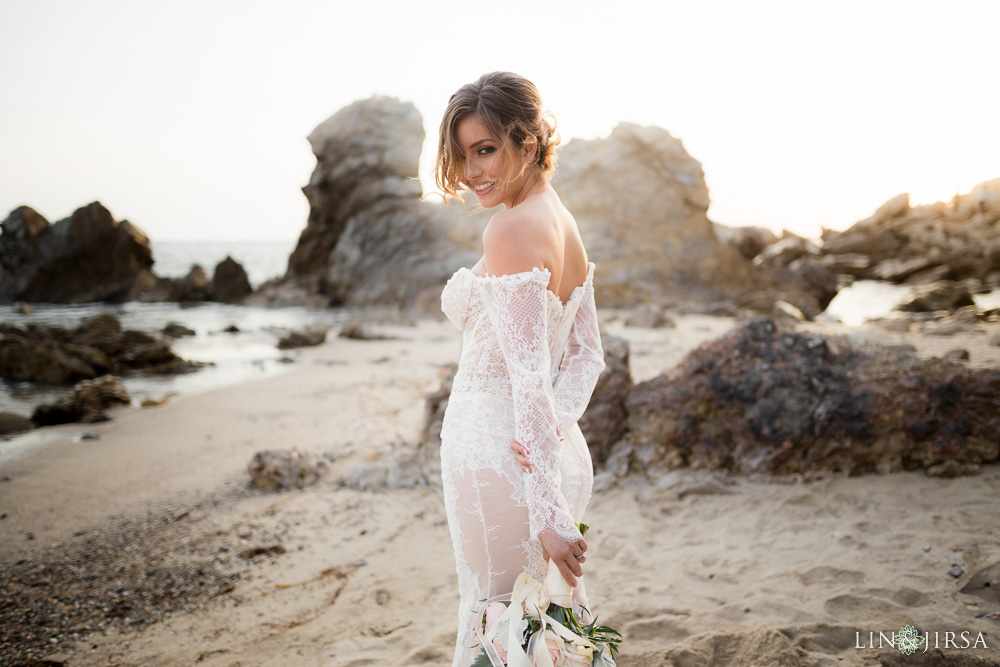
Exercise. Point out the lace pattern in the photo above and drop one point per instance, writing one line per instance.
(528, 363)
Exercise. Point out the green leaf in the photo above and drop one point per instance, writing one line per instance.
(482, 660)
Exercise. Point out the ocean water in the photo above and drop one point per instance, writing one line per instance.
(250, 353)
(262, 260)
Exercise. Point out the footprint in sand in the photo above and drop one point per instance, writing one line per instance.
(826, 574)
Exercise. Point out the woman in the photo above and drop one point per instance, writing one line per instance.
(531, 355)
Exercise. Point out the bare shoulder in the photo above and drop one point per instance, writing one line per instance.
(515, 241)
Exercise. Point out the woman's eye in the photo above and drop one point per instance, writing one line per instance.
(485, 150)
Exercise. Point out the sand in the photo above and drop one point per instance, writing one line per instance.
(769, 574)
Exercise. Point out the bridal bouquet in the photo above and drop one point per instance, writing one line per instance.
(539, 628)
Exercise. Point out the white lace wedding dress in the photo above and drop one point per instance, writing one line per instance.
(528, 363)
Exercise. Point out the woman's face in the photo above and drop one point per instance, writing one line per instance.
(484, 164)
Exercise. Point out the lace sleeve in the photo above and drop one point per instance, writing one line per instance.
(582, 364)
(518, 310)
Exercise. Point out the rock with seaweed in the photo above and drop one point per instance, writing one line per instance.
(761, 400)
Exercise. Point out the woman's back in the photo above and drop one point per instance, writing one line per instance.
(539, 232)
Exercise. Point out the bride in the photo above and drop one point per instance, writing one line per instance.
(531, 355)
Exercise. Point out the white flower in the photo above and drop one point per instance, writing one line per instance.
(579, 655)
(556, 647)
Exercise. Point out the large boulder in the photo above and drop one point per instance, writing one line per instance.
(367, 226)
(88, 403)
(760, 400)
(230, 283)
(55, 355)
(87, 257)
(957, 240)
(641, 204)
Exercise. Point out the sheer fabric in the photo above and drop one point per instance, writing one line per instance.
(528, 363)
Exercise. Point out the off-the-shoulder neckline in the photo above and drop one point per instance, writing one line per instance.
(532, 273)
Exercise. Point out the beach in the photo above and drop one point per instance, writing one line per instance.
(154, 518)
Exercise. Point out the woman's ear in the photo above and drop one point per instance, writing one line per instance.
(529, 150)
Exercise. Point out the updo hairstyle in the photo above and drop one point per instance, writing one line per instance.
(511, 108)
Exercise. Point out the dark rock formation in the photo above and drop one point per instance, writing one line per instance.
(762, 401)
(308, 337)
(13, 423)
(230, 283)
(358, 331)
(278, 470)
(750, 241)
(367, 226)
(605, 420)
(88, 403)
(192, 288)
(177, 330)
(54, 355)
(944, 295)
(956, 240)
(86, 257)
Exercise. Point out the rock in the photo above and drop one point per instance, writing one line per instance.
(784, 252)
(87, 404)
(750, 241)
(306, 337)
(192, 287)
(53, 355)
(817, 285)
(357, 331)
(103, 332)
(12, 423)
(86, 257)
(995, 339)
(944, 295)
(931, 275)
(898, 270)
(175, 330)
(24, 308)
(760, 400)
(957, 355)
(649, 316)
(232, 328)
(367, 225)
(189, 290)
(640, 200)
(894, 208)
(853, 264)
(36, 355)
(230, 283)
(957, 240)
(605, 420)
(285, 469)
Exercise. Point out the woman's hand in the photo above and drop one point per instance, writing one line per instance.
(564, 555)
(521, 452)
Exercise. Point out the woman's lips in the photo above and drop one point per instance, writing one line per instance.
(480, 193)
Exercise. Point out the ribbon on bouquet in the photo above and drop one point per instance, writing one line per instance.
(516, 656)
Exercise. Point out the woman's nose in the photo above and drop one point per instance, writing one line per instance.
(471, 170)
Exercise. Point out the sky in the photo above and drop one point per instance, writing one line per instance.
(190, 118)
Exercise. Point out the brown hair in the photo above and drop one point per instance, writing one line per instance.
(511, 108)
